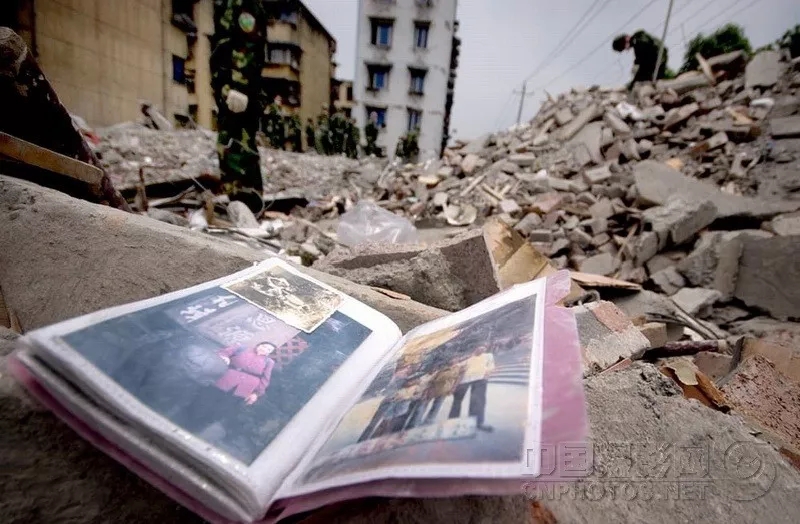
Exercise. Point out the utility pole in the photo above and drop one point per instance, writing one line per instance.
(522, 94)
(661, 47)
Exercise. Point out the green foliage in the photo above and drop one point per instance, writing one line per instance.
(408, 146)
(767, 47)
(727, 38)
(669, 73)
(791, 41)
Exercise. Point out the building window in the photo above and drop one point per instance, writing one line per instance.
(179, 69)
(288, 16)
(421, 30)
(417, 81)
(381, 32)
(414, 119)
(183, 15)
(350, 92)
(284, 56)
(380, 115)
(378, 77)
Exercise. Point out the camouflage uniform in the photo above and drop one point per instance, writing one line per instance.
(295, 133)
(311, 137)
(353, 138)
(323, 135)
(337, 129)
(275, 126)
(236, 63)
(645, 49)
(371, 133)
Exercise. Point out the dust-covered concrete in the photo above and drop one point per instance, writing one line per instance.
(659, 457)
(61, 257)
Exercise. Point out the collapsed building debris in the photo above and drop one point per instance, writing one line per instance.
(635, 400)
(674, 208)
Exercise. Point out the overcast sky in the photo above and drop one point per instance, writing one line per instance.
(505, 40)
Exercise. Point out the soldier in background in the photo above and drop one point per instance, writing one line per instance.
(338, 130)
(236, 63)
(353, 139)
(323, 133)
(294, 132)
(371, 133)
(311, 136)
(645, 49)
(275, 125)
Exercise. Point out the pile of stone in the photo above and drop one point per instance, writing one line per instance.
(186, 155)
(623, 185)
(637, 413)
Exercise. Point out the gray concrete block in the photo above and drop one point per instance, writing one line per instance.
(645, 247)
(602, 209)
(714, 262)
(763, 69)
(696, 300)
(658, 184)
(530, 222)
(603, 264)
(786, 225)
(451, 274)
(597, 175)
(668, 280)
(786, 127)
(769, 272)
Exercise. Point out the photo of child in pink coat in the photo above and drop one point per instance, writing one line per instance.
(249, 371)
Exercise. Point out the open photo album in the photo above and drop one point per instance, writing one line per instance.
(267, 393)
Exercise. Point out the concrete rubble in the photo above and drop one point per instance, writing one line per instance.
(675, 208)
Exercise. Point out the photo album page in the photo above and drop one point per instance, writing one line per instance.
(236, 377)
(458, 398)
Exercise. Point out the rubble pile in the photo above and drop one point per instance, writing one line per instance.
(173, 156)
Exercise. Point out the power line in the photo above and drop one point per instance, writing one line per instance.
(604, 42)
(560, 47)
(678, 11)
(502, 111)
(725, 12)
(697, 12)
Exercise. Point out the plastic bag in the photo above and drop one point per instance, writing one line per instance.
(367, 222)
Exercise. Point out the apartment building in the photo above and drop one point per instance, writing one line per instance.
(300, 64)
(104, 57)
(407, 55)
(342, 96)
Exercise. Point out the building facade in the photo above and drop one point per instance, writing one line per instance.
(407, 53)
(342, 96)
(104, 57)
(300, 63)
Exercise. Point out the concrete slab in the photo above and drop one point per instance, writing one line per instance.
(643, 432)
(769, 270)
(590, 138)
(696, 300)
(763, 70)
(657, 184)
(786, 127)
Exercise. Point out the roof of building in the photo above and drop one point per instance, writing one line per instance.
(312, 19)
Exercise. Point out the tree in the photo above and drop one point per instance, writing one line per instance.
(727, 38)
(791, 41)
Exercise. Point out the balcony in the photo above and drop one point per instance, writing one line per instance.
(283, 71)
(282, 32)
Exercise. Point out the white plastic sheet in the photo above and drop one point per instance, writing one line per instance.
(367, 222)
